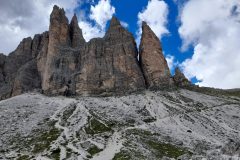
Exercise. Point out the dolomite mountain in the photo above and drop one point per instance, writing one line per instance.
(181, 122)
(61, 62)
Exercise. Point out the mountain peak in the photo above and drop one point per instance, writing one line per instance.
(180, 79)
(152, 60)
(76, 33)
(58, 12)
(67, 65)
(114, 22)
(116, 29)
(74, 19)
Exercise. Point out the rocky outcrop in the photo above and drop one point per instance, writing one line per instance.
(179, 79)
(27, 79)
(59, 39)
(2, 62)
(153, 63)
(109, 64)
(19, 70)
(76, 36)
(61, 62)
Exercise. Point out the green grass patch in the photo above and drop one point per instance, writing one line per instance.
(95, 127)
(44, 140)
(215, 91)
(67, 113)
(94, 150)
(121, 156)
(149, 120)
(141, 132)
(164, 149)
(56, 154)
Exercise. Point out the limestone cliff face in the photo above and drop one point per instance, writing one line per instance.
(61, 62)
(76, 36)
(19, 71)
(109, 64)
(2, 61)
(153, 63)
(59, 38)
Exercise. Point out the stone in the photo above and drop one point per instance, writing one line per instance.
(179, 78)
(152, 60)
(76, 33)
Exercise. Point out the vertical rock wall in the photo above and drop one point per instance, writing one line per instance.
(153, 62)
(61, 62)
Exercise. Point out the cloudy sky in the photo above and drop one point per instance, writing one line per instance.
(200, 36)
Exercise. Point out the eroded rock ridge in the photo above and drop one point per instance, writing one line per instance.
(61, 62)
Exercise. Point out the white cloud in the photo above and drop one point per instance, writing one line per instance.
(32, 17)
(172, 63)
(124, 24)
(213, 28)
(102, 12)
(90, 31)
(19, 20)
(155, 14)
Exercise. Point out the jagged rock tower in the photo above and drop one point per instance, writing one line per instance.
(153, 63)
(61, 62)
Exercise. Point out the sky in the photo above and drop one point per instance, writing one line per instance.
(201, 37)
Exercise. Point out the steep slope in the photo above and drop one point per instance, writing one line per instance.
(178, 124)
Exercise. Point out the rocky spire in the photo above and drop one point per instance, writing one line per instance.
(114, 22)
(59, 37)
(58, 29)
(180, 79)
(76, 33)
(152, 61)
(115, 28)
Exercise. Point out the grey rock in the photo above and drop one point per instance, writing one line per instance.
(232, 147)
(184, 157)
